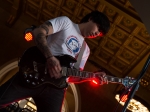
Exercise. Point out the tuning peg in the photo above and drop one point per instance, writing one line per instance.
(126, 77)
(133, 78)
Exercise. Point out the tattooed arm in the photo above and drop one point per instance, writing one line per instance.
(40, 34)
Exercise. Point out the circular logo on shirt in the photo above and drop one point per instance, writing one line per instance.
(73, 45)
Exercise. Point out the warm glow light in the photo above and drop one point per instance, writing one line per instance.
(28, 36)
(94, 81)
(101, 34)
(134, 105)
(124, 98)
(32, 105)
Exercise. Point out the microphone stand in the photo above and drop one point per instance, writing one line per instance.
(136, 84)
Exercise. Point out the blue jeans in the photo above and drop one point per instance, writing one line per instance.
(46, 97)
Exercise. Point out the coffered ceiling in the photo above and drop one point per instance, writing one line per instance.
(125, 48)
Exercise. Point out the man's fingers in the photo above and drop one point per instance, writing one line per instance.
(102, 80)
(54, 67)
(51, 73)
(106, 80)
(55, 72)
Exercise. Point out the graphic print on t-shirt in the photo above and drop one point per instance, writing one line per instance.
(72, 44)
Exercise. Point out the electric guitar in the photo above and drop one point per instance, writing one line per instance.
(32, 67)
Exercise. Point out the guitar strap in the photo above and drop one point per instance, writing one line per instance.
(77, 64)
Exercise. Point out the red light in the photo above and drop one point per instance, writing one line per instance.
(95, 82)
(100, 34)
(28, 36)
(124, 98)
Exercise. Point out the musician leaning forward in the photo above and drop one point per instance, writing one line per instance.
(58, 44)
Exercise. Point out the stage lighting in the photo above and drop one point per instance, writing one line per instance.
(28, 33)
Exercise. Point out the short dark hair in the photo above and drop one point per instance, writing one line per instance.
(98, 18)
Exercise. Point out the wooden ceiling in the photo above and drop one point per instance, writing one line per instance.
(120, 51)
(125, 48)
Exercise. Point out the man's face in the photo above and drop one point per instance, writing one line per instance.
(91, 30)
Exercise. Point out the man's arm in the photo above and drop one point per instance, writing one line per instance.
(40, 36)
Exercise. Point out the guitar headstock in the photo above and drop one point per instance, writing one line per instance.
(128, 81)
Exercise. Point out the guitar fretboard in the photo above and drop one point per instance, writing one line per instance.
(84, 74)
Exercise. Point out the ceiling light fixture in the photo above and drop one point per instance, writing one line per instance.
(134, 105)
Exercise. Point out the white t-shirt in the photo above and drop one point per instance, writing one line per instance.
(67, 39)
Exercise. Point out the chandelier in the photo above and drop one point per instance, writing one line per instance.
(134, 105)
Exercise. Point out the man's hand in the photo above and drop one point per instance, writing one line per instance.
(102, 77)
(54, 67)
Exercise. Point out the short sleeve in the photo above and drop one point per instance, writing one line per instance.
(60, 23)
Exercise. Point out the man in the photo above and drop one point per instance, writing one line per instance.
(56, 37)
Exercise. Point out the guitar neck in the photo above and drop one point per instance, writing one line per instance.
(114, 79)
(85, 74)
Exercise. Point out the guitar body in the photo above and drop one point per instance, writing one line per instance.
(32, 67)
